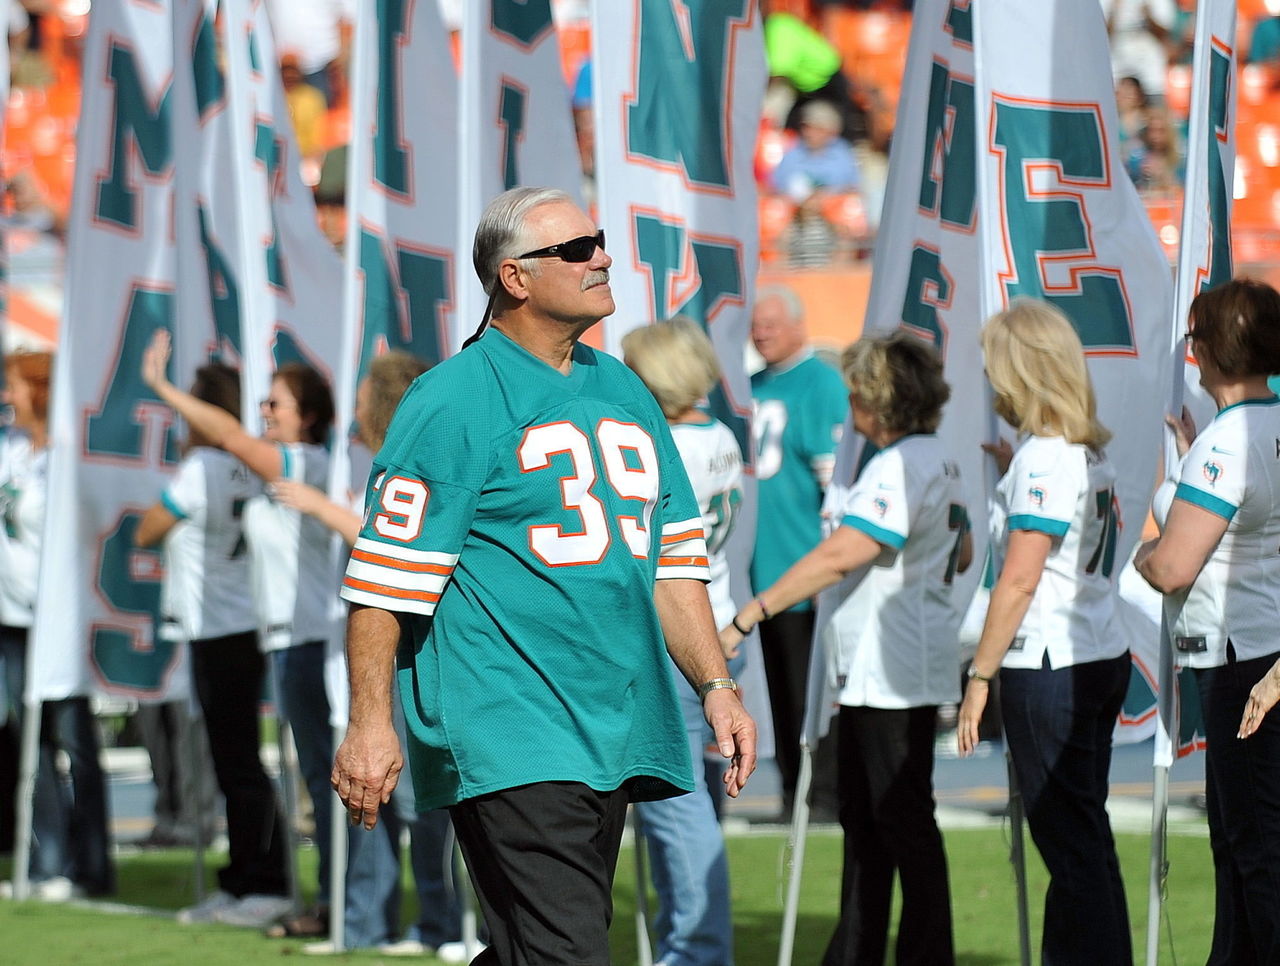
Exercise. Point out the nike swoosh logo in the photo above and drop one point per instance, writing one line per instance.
(1036, 476)
(1224, 452)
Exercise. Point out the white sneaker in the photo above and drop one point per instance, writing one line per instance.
(207, 910)
(322, 947)
(405, 947)
(254, 911)
(456, 952)
(57, 889)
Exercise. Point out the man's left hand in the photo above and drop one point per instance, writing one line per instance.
(735, 736)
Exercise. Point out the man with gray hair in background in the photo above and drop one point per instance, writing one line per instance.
(800, 407)
(531, 553)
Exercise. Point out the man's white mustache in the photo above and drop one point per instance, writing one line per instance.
(595, 278)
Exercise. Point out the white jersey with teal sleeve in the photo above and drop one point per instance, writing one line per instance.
(206, 592)
(1232, 470)
(24, 483)
(520, 516)
(1067, 491)
(714, 463)
(896, 633)
(293, 557)
(800, 409)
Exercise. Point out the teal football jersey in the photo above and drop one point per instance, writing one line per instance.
(521, 517)
(799, 412)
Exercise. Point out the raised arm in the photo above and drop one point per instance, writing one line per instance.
(311, 501)
(685, 614)
(154, 525)
(217, 426)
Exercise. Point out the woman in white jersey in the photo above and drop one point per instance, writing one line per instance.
(1217, 561)
(70, 854)
(206, 600)
(903, 535)
(292, 569)
(372, 917)
(676, 361)
(1063, 667)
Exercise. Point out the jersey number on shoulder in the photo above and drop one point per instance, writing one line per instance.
(1105, 553)
(631, 468)
(404, 504)
(770, 421)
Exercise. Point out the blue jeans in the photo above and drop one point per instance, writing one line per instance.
(1242, 785)
(298, 674)
(68, 824)
(1058, 724)
(687, 857)
(373, 872)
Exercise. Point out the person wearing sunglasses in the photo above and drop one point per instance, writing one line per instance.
(532, 552)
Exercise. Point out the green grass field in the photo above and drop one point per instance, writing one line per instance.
(982, 889)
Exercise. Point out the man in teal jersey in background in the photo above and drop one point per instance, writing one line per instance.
(800, 408)
(531, 553)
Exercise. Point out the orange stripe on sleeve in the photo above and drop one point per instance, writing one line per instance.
(395, 563)
(382, 590)
(682, 561)
(687, 535)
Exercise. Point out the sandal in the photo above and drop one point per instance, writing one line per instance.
(306, 925)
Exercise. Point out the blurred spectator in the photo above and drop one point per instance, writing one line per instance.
(331, 196)
(821, 161)
(1139, 32)
(319, 33)
(1182, 38)
(1264, 43)
(1156, 164)
(584, 126)
(182, 772)
(1131, 106)
(28, 66)
(307, 107)
(810, 66)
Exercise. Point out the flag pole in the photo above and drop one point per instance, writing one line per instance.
(644, 949)
(796, 844)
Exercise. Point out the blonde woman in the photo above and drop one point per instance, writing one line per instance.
(904, 534)
(677, 363)
(1048, 633)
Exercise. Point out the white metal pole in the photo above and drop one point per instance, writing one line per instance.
(799, 829)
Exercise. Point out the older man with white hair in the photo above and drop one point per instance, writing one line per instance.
(531, 553)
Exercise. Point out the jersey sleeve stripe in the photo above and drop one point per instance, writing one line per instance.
(879, 534)
(1029, 521)
(670, 538)
(407, 554)
(400, 605)
(395, 577)
(682, 561)
(395, 593)
(1207, 501)
(684, 573)
(171, 505)
(383, 560)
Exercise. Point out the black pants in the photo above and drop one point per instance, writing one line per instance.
(542, 859)
(228, 674)
(1242, 785)
(786, 641)
(887, 812)
(1058, 725)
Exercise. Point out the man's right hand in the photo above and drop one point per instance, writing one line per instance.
(366, 770)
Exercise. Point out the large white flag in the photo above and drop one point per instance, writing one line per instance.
(1067, 226)
(110, 436)
(1204, 261)
(926, 280)
(516, 124)
(677, 94)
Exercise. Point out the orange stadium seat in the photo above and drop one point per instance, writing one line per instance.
(848, 214)
(575, 48)
(1166, 218)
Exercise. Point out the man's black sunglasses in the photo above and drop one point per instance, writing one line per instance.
(578, 249)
